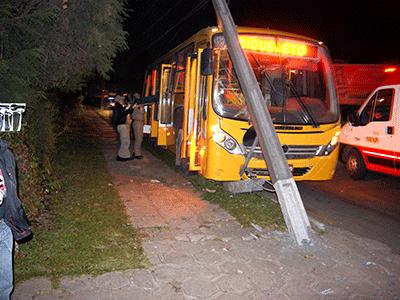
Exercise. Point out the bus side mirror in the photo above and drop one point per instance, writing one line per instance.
(206, 67)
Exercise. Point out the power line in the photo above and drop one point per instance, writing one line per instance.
(145, 14)
(188, 15)
(163, 16)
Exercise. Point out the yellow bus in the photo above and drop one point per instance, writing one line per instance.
(195, 108)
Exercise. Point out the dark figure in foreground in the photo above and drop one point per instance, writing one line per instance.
(13, 222)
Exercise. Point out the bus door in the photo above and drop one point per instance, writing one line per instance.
(194, 134)
(147, 108)
(166, 134)
(152, 109)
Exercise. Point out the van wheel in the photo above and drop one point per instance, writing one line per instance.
(355, 165)
(343, 152)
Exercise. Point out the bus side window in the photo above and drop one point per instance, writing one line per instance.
(179, 84)
(155, 82)
(181, 56)
(203, 95)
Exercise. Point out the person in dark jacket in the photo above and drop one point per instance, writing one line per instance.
(121, 119)
(13, 222)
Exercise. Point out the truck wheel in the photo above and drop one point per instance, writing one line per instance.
(355, 165)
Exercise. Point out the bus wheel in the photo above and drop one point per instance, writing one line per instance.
(355, 165)
(185, 167)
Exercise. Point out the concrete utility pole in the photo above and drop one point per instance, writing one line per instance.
(288, 195)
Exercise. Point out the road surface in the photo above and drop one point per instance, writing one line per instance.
(369, 208)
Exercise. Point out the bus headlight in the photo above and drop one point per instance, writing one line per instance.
(219, 137)
(325, 150)
(226, 141)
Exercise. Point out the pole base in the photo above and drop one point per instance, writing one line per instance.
(244, 186)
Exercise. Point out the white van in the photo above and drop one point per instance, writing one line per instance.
(371, 138)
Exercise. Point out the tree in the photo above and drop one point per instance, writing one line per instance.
(52, 46)
(56, 44)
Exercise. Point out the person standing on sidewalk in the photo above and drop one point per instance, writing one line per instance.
(137, 124)
(121, 119)
(13, 221)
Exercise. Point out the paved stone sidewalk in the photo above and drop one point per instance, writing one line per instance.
(198, 251)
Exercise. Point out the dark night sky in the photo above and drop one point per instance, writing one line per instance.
(355, 32)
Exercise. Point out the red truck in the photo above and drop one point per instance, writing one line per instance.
(354, 83)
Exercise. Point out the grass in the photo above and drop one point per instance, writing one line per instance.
(246, 207)
(86, 230)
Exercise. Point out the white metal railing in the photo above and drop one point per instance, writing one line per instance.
(11, 116)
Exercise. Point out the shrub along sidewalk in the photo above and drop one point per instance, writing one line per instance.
(86, 230)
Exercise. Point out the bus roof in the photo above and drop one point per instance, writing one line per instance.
(256, 30)
(275, 32)
(208, 32)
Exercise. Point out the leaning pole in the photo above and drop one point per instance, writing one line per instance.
(288, 194)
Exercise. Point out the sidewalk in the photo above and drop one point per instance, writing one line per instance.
(198, 251)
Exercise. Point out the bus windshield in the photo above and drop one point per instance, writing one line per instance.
(294, 86)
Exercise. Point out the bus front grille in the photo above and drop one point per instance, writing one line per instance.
(290, 151)
(265, 172)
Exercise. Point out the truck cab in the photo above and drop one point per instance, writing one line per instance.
(370, 141)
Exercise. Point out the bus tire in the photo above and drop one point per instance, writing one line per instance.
(185, 167)
(153, 143)
(355, 165)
